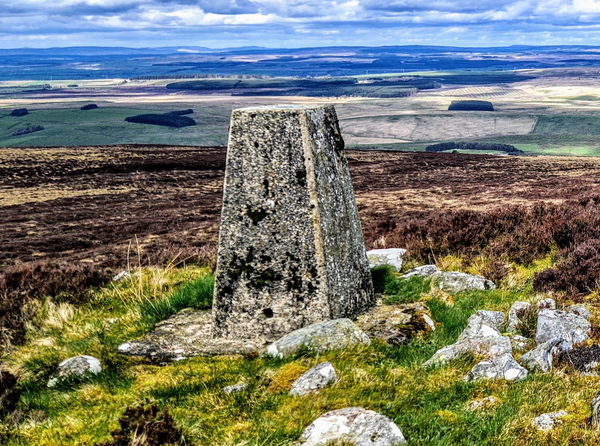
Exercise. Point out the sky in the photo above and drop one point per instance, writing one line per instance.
(293, 24)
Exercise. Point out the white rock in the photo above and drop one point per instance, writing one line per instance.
(516, 312)
(481, 337)
(421, 271)
(392, 257)
(78, 366)
(315, 379)
(121, 276)
(498, 367)
(569, 327)
(547, 421)
(237, 388)
(457, 282)
(353, 425)
(319, 337)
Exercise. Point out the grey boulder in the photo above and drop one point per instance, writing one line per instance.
(569, 327)
(481, 337)
(315, 379)
(457, 282)
(580, 310)
(541, 358)
(75, 367)
(319, 337)
(392, 257)
(352, 425)
(421, 271)
(498, 367)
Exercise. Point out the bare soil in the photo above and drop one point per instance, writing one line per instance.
(112, 205)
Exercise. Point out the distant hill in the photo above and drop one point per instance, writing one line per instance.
(122, 62)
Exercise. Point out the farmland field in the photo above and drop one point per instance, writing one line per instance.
(542, 112)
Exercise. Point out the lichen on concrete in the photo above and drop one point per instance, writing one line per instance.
(291, 250)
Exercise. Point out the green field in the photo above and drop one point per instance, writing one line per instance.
(106, 125)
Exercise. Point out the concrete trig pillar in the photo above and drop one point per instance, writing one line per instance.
(291, 250)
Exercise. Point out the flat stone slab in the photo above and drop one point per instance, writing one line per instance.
(185, 335)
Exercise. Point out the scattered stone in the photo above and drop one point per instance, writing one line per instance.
(580, 310)
(498, 367)
(541, 358)
(392, 257)
(585, 360)
(319, 337)
(569, 327)
(519, 343)
(237, 388)
(456, 282)
(481, 337)
(315, 379)
(397, 324)
(121, 276)
(421, 271)
(547, 304)
(291, 251)
(547, 421)
(77, 366)
(483, 403)
(353, 425)
(595, 418)
(9, 393)
(516, 312)
(185, 335)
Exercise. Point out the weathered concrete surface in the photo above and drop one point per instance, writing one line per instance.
(185, 335)
(291, 250)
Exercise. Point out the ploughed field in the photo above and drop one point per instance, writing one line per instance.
(108, 206)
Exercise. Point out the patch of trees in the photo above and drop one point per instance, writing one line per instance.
(471, 105)
(445, 146)
(188, 111)
(165, 119)
(27, 129)
(89, 107)
(19, 112)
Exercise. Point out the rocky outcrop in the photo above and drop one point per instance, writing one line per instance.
(352, 425)
(457, 282)
(391, 257)
(319, 337)
(569, 327)
(76, 367)
(315, 379)
(501, 366)
(541, 358)
(397, 324)
(480, 337)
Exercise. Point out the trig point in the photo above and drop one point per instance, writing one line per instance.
(291, 250)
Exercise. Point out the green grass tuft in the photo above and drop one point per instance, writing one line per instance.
(197, 294)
